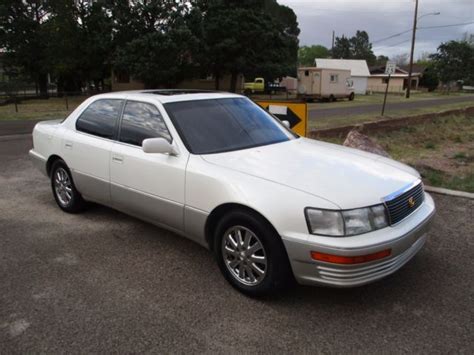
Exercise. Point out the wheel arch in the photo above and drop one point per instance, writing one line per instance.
(49, 163)
(218, 212)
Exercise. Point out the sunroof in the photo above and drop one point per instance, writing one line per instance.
(170, 92)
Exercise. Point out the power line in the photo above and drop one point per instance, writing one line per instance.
(442, 26)
(421, 28)
(392, 36)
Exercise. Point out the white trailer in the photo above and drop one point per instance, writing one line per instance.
(322, 83)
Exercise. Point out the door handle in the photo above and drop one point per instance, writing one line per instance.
(117, 159)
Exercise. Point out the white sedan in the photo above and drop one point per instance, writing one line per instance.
(272, 206)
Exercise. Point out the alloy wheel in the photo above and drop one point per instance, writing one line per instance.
(63, 186)
(244, 255)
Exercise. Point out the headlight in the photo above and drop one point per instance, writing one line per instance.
(346, 222)
(325, 222)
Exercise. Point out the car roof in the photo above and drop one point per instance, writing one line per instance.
(170, 95)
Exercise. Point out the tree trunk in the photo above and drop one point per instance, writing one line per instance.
(43, 85)
(60, 86)
(233, 81)
(217, 78)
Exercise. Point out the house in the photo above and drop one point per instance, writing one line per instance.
(398, 81)
(359, 71)
(123, 82)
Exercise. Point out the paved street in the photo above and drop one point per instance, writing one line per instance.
(102, 282)
(325, 110)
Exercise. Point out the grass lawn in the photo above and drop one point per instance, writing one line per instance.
(343, 120)
(442, 151)
(51, 108)
(377, 98)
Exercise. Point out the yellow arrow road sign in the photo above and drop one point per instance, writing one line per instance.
(294, 112)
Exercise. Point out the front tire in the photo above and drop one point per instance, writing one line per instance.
(250, 254)
(64, 191)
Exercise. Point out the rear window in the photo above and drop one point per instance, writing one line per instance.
(100, 118)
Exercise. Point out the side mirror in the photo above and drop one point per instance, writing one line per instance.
(286, 124)
(158, 146)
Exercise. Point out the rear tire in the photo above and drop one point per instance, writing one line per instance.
(351, 96)
(250, 254)
(332, 98)
(64, 191)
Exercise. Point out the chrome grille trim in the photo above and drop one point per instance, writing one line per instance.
(397, 203)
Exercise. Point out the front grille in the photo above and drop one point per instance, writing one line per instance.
(405, 203)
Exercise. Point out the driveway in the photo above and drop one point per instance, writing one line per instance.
(324, 109)
(103, 282)
(13, 127)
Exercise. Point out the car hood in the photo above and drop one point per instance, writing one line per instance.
(348, 177)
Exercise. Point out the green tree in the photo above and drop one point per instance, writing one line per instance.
(430, 79)
(454, 61)
(342, 48)
(96, 38)
(381, 60)
(63, 46)
(361, 47)
(24, 39)
(161, 49)
(356, 47)
(307, 54)
(259, 39)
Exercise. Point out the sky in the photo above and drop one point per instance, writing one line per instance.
(383, 18)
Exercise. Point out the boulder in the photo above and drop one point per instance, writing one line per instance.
(357, 140)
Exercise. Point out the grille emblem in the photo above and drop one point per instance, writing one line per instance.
(411, 202)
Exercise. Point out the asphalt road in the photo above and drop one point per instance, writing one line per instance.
(322, 111)
(13, 127)
(103, 282)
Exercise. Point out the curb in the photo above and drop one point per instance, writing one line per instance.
(441, 191)
(13, 137)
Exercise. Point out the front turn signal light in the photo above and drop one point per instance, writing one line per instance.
(339, 259)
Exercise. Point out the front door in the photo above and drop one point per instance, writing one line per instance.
(150, 186)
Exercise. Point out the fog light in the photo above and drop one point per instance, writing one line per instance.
(339, 259)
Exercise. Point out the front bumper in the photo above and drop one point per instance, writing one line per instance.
(404, 239)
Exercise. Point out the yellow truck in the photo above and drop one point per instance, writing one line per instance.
(260, 86)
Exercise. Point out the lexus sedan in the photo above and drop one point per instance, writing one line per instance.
(216, 168)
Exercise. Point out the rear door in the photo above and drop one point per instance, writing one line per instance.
(150, 186)
(86, 149)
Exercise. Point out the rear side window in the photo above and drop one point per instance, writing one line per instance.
(100, 118)
(141, 121)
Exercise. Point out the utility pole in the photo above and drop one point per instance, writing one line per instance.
(410, 71)
(332, 46)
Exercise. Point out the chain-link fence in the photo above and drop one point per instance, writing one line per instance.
(28, 105)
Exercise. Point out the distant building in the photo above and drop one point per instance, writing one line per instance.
(359, 71)
(123, 82)
(398, 81)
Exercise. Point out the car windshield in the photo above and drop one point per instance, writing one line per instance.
(222, 125)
